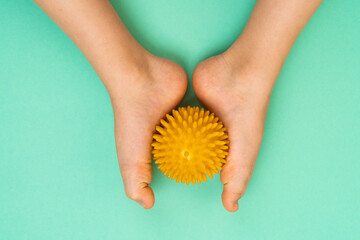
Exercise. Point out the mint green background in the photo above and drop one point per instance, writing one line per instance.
(59, 177)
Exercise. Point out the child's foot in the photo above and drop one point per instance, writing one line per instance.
(239, 95)
(141, 95)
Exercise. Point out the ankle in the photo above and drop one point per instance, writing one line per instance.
(230, 77)
(121, 74)
(253, 62)
(251, 72)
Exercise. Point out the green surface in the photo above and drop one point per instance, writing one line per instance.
(59, 177)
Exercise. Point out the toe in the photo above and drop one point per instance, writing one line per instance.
(235, 182)
(136, 179)
(143, 195)
(231, 195)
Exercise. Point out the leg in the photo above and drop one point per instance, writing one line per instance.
(142, 87)
(237, 84)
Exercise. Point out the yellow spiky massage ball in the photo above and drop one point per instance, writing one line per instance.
(190, 144)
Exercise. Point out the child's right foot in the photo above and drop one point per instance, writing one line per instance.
(141, 96)
(239, 95)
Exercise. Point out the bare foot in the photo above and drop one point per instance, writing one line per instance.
(142, 87)
(235, 92)
(141, 95)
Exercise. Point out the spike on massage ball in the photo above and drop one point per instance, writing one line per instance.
(190, 145)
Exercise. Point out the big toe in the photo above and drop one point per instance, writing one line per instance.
(231, 195)
(142, 194)
(235, 180)
(136, 179)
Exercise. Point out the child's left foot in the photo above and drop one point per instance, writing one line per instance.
(239, 96)
(141, 96)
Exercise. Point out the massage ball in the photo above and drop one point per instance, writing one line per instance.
(190, 144)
